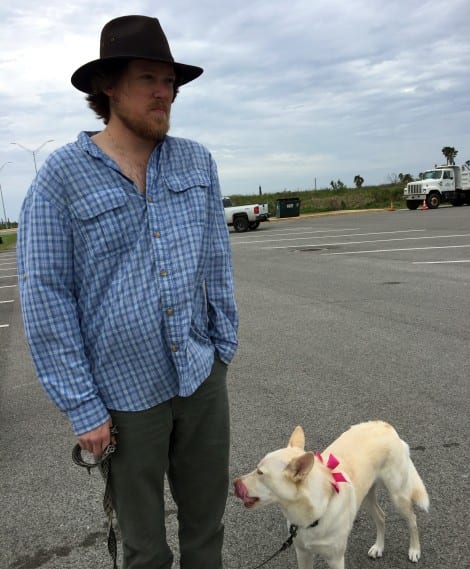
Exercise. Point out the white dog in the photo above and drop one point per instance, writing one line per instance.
(320, 494)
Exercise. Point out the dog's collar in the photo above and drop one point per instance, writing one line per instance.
(332, 463)
(293, 528)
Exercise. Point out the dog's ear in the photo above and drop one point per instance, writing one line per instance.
(297, 439)
(299, 467)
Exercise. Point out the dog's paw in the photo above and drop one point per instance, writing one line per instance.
(414, 555)
(375, 551)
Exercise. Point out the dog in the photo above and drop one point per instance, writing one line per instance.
(320, 494)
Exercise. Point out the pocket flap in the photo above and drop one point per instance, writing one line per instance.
(99, 202)
(180, 182)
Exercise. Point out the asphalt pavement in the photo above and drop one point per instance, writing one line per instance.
(344, 318)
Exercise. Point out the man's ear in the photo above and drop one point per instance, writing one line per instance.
(297, 439)
(299, 467)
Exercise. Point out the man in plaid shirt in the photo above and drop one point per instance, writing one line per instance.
(127, 294)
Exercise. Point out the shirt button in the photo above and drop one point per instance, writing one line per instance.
(156, 234)
(170, 311)
(174, 348)
(163, 273)
(149, 199)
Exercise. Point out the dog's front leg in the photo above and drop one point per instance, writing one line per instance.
(304, 558)
(336, 562)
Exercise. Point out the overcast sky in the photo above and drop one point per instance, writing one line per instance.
(295, 93)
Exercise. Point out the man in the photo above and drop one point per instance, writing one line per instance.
(127, 295)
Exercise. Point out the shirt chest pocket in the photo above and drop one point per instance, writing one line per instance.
(107, 221)
(187, 194)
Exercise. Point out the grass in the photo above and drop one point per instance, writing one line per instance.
(319, 201)
(8, 240)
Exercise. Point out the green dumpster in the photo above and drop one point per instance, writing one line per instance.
(287, 207)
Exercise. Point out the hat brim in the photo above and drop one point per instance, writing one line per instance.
(82, 78)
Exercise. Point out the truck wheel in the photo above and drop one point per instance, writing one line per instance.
(241, 224)
(254, 225)
(433, 200)
(413, 204)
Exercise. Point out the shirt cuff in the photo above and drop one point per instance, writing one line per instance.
(88, 416)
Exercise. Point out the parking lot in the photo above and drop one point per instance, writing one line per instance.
(344, 318)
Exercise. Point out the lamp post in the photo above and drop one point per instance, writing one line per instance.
(33, 152)
(1, 195)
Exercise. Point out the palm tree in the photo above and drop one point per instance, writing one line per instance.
(450, 153)
(358, 180)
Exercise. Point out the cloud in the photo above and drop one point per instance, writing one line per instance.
(292, 92)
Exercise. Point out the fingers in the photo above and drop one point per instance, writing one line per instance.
(97, 440)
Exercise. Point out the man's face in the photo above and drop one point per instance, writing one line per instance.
(142, 98)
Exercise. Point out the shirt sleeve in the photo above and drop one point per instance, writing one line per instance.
(49, 306)
(222, 308)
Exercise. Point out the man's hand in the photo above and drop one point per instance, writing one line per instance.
(98, 439)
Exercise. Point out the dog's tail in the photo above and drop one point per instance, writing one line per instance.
(419, 494)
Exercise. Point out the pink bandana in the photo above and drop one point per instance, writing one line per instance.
(332, 463)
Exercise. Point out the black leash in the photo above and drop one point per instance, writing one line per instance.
(104, 465)
(293, 529)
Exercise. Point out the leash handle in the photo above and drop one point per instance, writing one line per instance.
(108, 451)
(104, 464)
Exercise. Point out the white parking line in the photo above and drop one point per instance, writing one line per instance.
(328, 237)
(440, 262)
(290, 232)
(8, 276)
(6, 301)
(369, 241)
(4, 325)
(9, 286)
(392, 250)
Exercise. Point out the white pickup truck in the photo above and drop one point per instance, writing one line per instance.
(244, 217)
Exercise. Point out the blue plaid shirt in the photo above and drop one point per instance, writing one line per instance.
(125, 296)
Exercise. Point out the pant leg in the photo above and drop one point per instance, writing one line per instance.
(137, 483)
(198, 470)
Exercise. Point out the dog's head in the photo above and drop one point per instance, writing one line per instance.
(279, 475)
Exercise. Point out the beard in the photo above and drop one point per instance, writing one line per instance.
(152, 127)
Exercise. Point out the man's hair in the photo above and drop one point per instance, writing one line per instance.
(109, 75)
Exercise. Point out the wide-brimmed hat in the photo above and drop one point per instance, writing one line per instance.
(132, 37)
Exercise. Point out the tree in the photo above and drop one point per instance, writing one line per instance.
(405, 178)
(337, 185)
(450, 153)
(358, 180)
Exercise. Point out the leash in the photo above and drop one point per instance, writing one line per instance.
(293, 529)
(104, 466)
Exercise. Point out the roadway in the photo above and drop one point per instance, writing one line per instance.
(343, 318)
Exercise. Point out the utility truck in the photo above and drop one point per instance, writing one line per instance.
(448, 183)
(244, 217)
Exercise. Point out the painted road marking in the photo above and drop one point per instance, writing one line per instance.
(371, 241)
(326, 237)
(392, 250)
(440, 262)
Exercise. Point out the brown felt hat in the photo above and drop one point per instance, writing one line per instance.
(132, 37)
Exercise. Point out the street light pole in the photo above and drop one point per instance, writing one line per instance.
(33, 152)
(1, 194)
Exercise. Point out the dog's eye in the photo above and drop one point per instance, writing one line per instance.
(259, 472)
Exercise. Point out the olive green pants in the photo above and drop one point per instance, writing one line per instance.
(186, 438)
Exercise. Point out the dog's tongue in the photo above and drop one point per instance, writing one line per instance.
(242, 493)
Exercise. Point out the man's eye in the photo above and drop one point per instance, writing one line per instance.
(259, 472)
